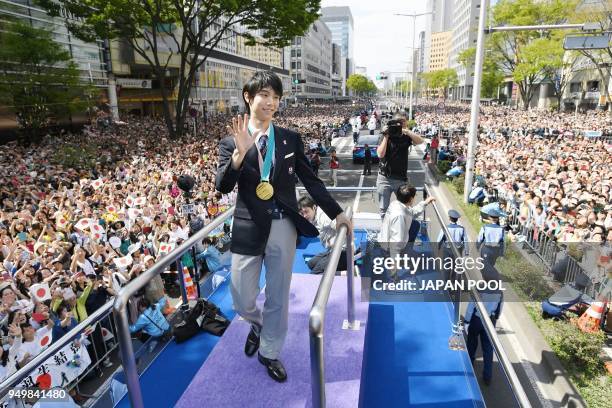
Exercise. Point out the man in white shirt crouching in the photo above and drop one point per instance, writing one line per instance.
(327, 235)
(399, 226)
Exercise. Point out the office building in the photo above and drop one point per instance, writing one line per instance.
(311, 61)
(465, 24)
(336, 70)
(441, 15)
(88, 57)
(422, 53)
(340, 22)
(440, 50)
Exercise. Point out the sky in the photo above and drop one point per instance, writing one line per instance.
(382, 40)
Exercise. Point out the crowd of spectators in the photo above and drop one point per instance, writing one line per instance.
(539, 164)
(83, 213)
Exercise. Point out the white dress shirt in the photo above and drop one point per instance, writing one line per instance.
(396, 225)
(326, 227)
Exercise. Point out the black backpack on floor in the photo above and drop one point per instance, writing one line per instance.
(203, 315)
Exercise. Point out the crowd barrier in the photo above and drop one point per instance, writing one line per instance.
(81, 354)
(559, 263)
(68, 360)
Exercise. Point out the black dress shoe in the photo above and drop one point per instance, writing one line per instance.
(252, 343)
(275, 368)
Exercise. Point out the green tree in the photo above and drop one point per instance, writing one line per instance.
(442, 79)
(183, 33)
(38, 79)
(358, 83)
(516, 51)
(372, 89)
(492, 76)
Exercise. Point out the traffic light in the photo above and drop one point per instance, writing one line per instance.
(299, 81)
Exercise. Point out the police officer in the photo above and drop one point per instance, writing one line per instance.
(490, 239)
(457, 235)
(492, 301)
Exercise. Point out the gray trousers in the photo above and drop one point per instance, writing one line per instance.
(384, 187)
(246, 270)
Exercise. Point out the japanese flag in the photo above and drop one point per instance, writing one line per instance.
(97, 183)
(40, 292)
(45, 340)
(83, 224)
(106, 334)
(111, 208)
(97, 228)
(140, 201)
(165, 248)
(61, 223)
(129, 201)
(123, 262)
(133, 213)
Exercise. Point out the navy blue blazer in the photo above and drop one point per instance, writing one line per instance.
(253, 216)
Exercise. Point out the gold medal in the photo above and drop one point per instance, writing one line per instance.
(264, 190)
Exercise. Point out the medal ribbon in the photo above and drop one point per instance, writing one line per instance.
(267, 162)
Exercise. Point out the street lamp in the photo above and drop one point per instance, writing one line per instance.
(414, 16)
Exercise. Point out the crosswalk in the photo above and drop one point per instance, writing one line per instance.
(344, 145)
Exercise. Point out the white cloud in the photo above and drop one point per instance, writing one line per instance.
(381, 40)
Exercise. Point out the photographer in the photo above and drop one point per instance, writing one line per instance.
(393, 153)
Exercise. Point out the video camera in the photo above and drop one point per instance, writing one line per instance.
(394, 128)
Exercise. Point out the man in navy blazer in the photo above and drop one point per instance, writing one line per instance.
(263, 159)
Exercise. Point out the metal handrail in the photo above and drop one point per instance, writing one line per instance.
(317, 312)
(121, 300)
(515, 384)
(351, 189)
(18, 376)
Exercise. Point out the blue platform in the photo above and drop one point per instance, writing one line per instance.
(406, 362)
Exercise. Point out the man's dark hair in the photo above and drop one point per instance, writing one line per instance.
(306, 201)
(259, 81)
(405, 193)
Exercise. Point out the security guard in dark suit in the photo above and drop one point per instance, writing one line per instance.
(263, 159)
(491, 238)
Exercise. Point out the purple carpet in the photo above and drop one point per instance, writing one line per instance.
(228, 378)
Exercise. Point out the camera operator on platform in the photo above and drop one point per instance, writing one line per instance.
(393, 153)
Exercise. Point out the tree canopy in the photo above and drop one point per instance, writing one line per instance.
(525, 54)
(39, 80)
(360, 84)
(441, 79)
(492, 76)
(181, 34)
